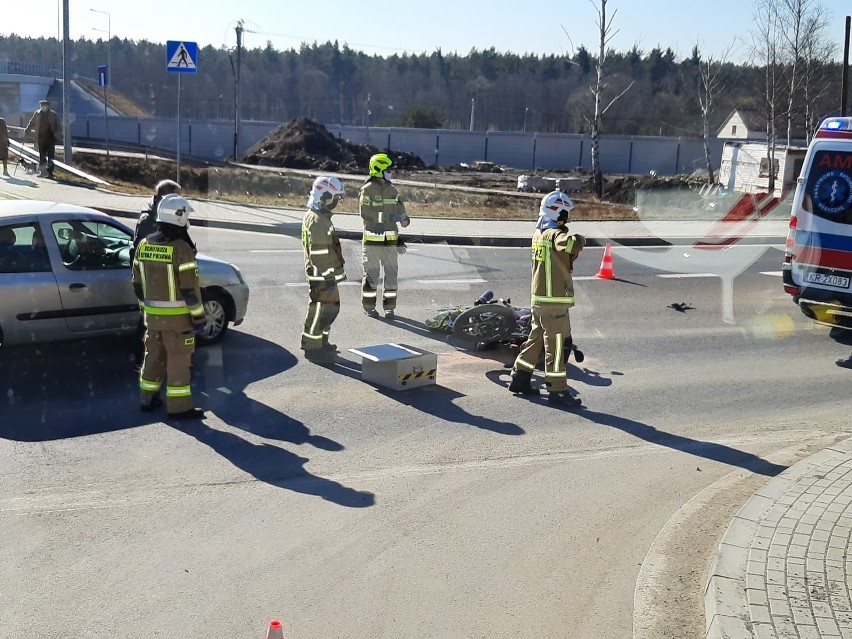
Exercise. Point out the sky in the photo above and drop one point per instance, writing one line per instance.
(539, 27)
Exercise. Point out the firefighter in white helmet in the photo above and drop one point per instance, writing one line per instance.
(323, 267)
(381, 209)
(554, 250)
(165, 279)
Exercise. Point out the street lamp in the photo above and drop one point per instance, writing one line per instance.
(109, 37)
(108, 79)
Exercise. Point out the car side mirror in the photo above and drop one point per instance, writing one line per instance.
(64, 234)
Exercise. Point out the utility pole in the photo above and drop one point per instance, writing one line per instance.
(108, 75)
(472, 109)
(844, 80)
(66, 85)
(239, 30)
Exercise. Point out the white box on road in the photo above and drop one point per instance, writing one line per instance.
(397, 366)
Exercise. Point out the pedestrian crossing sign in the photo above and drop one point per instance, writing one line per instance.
(181, 56)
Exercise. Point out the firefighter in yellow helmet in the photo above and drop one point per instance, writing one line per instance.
(165, 279)
(323, 267)
(554, 250)
(381, 210)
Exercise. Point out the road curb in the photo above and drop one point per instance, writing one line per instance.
(454, 240)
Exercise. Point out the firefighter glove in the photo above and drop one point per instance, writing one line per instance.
(401, 248)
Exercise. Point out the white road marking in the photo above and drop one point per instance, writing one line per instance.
(305, 284)
(774, 273)
(685, 275)
(276, 250)
(471, 281)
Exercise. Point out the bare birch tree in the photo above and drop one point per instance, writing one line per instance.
(709, 86)
(804, 25)
(606, 35)
(767, 44)
(817, 53)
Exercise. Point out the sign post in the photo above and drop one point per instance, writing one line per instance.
(181, 57)
(103, 80)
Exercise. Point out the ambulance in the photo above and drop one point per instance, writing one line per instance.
(817, 268)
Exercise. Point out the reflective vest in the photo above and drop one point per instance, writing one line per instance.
(167, 272)
(553, 255)
(381, 209)
(323, 255)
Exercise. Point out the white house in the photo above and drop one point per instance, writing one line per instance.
(745, 167)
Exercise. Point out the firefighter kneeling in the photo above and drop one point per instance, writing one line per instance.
(165, 279)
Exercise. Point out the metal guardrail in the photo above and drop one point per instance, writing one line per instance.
(13, 67)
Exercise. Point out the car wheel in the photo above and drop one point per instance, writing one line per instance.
(216, 309)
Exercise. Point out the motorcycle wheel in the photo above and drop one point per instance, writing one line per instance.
(485, 323)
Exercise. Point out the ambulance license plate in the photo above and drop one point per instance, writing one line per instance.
(826, 279)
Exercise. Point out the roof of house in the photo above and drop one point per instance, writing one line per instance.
(752, 118)
(755, 121)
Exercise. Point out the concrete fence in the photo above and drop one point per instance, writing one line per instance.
(213, 139)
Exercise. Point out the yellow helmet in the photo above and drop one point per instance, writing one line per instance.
(379, 163)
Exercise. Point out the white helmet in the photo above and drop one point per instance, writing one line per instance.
(326, 192)
(174, 209)
(555, 205)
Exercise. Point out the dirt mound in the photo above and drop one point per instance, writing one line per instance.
(622, 189)
(305, 144)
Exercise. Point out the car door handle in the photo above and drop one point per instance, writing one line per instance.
(76, 287)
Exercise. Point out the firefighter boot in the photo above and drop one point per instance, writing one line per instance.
(521, 384)
(844, 363)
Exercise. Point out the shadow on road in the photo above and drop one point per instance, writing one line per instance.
(221, 374)
(275, 466)
(69, 389)
(707, 450)
(438, 402)
(433, 400)
(73, 389)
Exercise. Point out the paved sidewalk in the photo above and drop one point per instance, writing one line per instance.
(782, 569)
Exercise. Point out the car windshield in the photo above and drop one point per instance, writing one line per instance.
(87, 245)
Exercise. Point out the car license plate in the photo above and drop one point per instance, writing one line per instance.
(825, 279)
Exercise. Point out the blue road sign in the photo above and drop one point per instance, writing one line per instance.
(181, 57)
(103, 76)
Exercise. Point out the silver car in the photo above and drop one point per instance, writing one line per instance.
(65, 274)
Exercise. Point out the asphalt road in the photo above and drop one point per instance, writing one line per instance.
(455, 510)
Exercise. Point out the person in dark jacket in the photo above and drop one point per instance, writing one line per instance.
(45, 126)
(147, 222)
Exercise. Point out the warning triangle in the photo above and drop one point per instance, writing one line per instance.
(181, 59)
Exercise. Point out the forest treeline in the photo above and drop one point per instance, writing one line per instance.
(487, 89)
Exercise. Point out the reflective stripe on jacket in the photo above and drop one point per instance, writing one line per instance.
(379, 204)
(323, 255)
(553, 255)
(167, 272)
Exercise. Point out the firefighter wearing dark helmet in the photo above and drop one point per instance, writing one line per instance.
(554, 250)
(165, 280)
(381, 210)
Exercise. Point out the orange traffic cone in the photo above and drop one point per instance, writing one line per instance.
(606, 272)
(275, 630)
